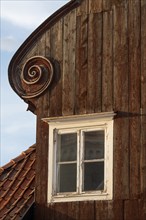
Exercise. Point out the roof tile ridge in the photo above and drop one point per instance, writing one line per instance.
(14, 203)
(19, 183)
(1, 170)
(29, 198)
(16, 159)
(7, 191)
(22, 206)
(3, 182)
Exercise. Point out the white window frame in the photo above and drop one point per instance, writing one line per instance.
(101, 121)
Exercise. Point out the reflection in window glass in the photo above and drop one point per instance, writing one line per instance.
(67, 148)
(93, 176)
(67, 178)
(94, 145)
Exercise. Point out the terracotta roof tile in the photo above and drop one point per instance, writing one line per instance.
(17, 185)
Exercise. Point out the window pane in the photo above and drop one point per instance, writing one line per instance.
(94, 145)
(67, 148)
(67, 178)
(93, 176)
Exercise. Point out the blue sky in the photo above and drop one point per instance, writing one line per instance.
(18, 20)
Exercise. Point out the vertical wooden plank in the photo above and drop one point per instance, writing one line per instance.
(41, 157)
(134, 93)
(49, 211)
(61, 211)
(86, 211)
(107, 62)
(143, 98)
(135, 210)
(81, 61)
(118, 209)
(83, 7)
(69, 45)
(101, 210)
(121, 124)
(94, 63)
(73, 210)
(48, 44)
(57, 55)
(112, 210)
(95, 6)
(42, 144)
(107, 5)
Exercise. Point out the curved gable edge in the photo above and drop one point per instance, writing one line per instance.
(23, 49)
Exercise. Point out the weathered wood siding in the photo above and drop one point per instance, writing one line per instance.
(99, 55)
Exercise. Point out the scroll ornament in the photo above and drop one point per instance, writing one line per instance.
(36, 76)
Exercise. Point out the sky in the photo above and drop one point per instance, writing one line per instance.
(18, 19)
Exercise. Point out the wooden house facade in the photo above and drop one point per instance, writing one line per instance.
(89, 59)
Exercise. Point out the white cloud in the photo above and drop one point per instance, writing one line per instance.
(28, 14)
(8, 43)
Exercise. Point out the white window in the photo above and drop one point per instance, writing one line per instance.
(80, 158)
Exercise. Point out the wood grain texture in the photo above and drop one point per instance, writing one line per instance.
(81, 64)
(87, 211)
(95, 6)
(83, 8)
(107, 62)
(42, 140)
(48, 44)
(143, 98)
(121, 125)
(134, 95)
(69, 45)
(57, 55)
(135, 210)
(109, 210)
(94, 63)
(107, 5)
(73, 210)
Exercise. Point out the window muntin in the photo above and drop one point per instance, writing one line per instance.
(89, 188)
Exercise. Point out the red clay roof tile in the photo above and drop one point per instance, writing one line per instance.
(17, 185)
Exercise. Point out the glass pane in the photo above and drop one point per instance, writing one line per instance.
(67, 147)
(93, 176)
(67, 177)
(94, 145)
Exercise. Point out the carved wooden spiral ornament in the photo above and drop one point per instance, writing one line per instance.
(36, 76)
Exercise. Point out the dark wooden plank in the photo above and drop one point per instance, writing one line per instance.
(101, 210)
(81, 64)
(94, 63)
(95, 6)
(121, 125)
(83, 8)
(48, 44)
(41, 158)
(112, 210)
(118, 210)
(107, 5)
(143, 98)
(135, 210)
(73, 210)
(69, 45)
(61, 211)
(41, 141)
(134, 96)
(87, 211)
(57, 56)
(107, 62)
